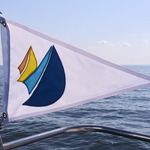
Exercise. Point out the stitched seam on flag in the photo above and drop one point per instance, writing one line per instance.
(121, 89)
(80, 51)
(6, 61)
(78, 103)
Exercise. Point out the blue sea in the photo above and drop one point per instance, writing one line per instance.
(129, 111)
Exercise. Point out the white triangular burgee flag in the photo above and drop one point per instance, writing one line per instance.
(43, 75)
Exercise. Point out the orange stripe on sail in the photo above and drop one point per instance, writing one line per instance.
(24, 62)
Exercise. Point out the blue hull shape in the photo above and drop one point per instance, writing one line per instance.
(51, 78)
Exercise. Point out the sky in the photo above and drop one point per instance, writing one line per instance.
(115, 30)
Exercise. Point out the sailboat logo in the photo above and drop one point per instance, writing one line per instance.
(46, 82)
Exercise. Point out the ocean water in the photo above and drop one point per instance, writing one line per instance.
(129, 111)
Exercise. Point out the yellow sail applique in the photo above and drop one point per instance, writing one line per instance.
(28, 65)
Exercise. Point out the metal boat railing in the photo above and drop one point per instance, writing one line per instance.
(79, 128)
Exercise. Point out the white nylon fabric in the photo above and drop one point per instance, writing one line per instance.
(88, 77)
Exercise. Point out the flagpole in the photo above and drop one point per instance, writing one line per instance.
(4, 116)
(1, 144)
(79, 128)
(2, 119)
